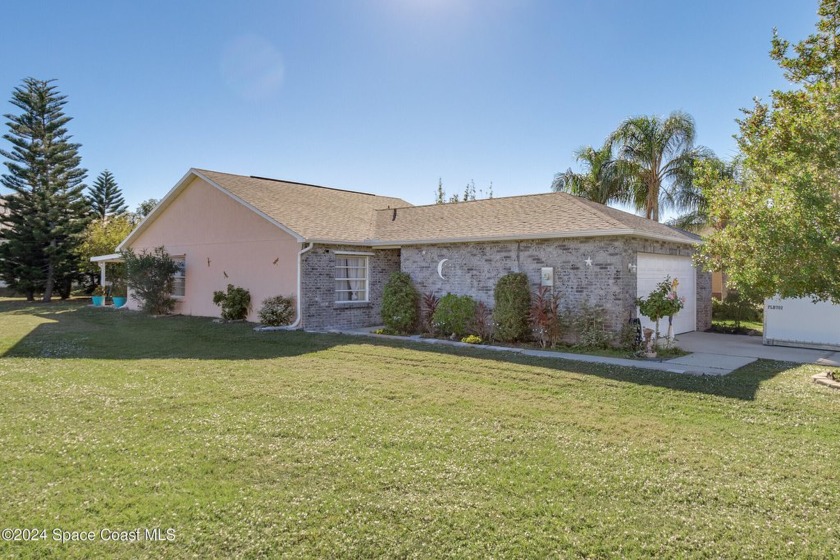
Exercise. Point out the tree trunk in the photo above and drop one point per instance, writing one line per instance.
(48, 288)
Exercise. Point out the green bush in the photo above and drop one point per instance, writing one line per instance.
(149, 275)
(277, 311)
(513, 304)
(235, 303)
(589, 324)
(472, 339)
(454, 315)
(737, 307)
(400, 304)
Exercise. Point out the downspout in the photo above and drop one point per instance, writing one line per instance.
(299, 317)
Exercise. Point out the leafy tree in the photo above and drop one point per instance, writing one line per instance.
(105, 196)
(101, 238)
(48, 211)
(145, 208)
(780, 229)
(512, 297)
(658, 156)
(692, 199)
(604, 179)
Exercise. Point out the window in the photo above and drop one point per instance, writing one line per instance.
(179, 279)
(351, 278)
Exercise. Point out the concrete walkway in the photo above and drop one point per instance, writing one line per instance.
(711, 353)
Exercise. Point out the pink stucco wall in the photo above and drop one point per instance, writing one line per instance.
(224, 243)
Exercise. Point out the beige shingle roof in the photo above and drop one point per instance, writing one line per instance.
(322, 214)
(516, 217)
(314, 213)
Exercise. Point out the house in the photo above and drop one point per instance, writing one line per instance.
(334, 250)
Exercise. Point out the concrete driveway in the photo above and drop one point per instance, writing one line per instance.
(743, 346)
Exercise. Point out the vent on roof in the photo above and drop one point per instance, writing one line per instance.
(309, 185)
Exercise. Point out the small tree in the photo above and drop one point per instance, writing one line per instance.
(512, 296)
(662, 302)
(235, 303)
(149, 276)
(399, 304)
(101, 238)
(105, 197)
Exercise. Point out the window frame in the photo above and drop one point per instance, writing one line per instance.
(365, 257)
(179, 277)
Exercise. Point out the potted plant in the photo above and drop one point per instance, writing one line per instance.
(118, 295)
(99, 296)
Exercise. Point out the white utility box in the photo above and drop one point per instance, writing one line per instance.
(802, 323)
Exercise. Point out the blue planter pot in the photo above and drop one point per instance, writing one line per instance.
(118, 301)
(98, 301)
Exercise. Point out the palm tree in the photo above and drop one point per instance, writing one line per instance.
(691, 197)
(602, 181)
(659, 154)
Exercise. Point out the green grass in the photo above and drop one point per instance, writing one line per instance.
(749, 325)
(299, 445)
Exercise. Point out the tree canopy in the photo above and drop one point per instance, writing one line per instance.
(105, 196)
(778, 229)
(47, 210)
(605, 179)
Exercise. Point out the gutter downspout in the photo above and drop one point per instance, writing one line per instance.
(299, 317)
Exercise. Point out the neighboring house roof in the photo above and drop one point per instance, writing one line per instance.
(317, 214)
(539, 216)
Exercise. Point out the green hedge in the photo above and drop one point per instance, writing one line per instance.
(513, 304)
(400, 304)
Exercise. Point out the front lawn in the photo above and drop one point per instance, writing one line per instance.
(300, 445)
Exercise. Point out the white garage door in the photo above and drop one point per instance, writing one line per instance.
(651, 270)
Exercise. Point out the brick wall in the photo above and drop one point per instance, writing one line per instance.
(320, 310)
(474, 268)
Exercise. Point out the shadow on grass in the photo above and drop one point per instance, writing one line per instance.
(74, 330)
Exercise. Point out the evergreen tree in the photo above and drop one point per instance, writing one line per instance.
(106, 197)
(47, 210)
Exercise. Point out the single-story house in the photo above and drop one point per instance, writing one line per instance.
(334, 250)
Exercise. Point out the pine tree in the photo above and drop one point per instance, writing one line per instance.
(106, 197)
(47, 210)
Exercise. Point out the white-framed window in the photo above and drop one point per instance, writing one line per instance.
(179, 279)
(351, 277)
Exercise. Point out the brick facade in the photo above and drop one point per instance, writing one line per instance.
(474, 268)
(320, 310)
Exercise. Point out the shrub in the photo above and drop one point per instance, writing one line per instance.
(428, 305)
(235, 303)
(737, 307)
(399, 304)
(454, 315)
(472, 339)
(149, 275)
(513, 302)
(277, 311)
(589, 324)
(629, 338)
(482, 323)
(544, 317)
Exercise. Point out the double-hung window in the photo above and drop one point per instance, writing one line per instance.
(351, 277)
(179, 278)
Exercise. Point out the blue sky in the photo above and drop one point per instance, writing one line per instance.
(386, 96)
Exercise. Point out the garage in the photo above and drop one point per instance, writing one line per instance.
(651, 269)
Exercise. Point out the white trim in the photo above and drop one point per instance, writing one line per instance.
(113, 257)
(355, 253)
(396, 244)
(298, 296)
(176, 190)
(364, 256)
